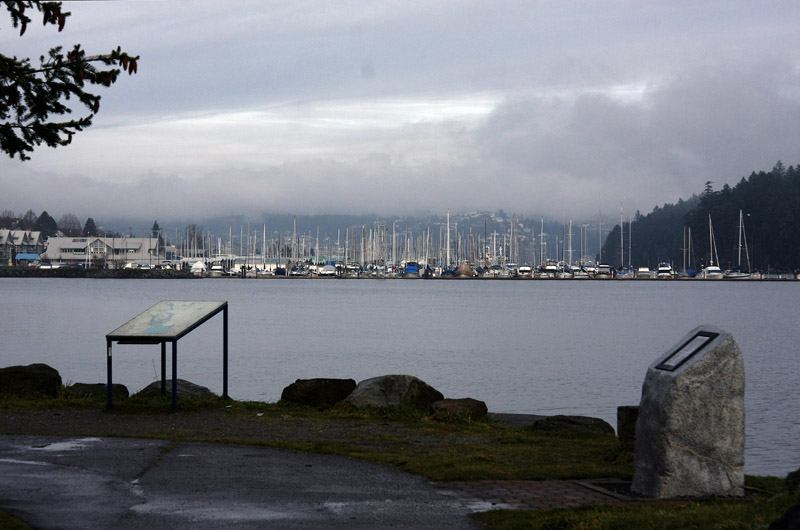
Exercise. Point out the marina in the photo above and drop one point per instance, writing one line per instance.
(532, 347)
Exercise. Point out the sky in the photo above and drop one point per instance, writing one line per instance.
(406, 107)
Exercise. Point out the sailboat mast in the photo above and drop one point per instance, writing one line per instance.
(630, 242)
(621, 240)
(541, 241)
(570, 242)
(710, 242)
(739, 259)
(683, 253)
(447, 263)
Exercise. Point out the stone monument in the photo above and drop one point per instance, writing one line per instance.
(690, 430)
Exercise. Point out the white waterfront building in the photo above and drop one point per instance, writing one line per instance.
(103, 252)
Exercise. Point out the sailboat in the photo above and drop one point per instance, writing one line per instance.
(711, 271)
(688, 268)
(737, 273)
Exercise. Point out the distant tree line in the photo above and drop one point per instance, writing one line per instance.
(68, 225)
(770, 205)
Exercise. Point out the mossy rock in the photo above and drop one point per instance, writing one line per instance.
(318, 392)
(572, 423)
(98, 390)
(34, 380)
(185, 389)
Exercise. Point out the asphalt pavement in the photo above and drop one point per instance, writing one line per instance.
(67, 483)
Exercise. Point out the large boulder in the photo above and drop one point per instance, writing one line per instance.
(465, 408)
(318, 392)
(185, 389)
(98, 390)
(690, 433)
(394, 391)
(32, 380)
(572, 423)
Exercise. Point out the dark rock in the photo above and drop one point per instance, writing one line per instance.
(515, 420)
(185, 389)
(318, 392)
(465, 407)
(394, 391)
(626, 425)
(792, 481)
(32, 380)
(789, 521)
(572, 423)
(98, 390)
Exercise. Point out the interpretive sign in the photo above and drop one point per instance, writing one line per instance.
(689, 438)
(168, 321)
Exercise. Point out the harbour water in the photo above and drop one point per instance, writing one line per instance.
(539, 347)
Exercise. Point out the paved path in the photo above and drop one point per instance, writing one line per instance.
(129, 484)
(531, 494)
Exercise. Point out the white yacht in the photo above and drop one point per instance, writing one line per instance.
(665, 271)
(712, 272)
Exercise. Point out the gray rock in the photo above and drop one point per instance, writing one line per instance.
(98, 390)
(690, 431)
(318, 392)
(394, 391)
(34, 380)
(626, 425)
(465, 407)
(185, 389)
(572, 423)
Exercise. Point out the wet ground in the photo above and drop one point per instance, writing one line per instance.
(128, 483)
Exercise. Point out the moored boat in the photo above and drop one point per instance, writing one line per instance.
(329, 269)
(579, 273)
(603, 272)
(411, 270)
(736, 275)
(665, 271)
(464, 271)
(712, 272)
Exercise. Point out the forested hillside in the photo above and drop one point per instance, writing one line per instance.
(770, 206)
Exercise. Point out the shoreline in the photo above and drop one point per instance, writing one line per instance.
(172, 274)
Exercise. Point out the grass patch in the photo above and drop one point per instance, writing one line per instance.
(444, 451)
(162, 404)
(61, 402)
(679, 515)
(8, 522)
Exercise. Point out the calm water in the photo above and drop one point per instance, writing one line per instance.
(542, 347)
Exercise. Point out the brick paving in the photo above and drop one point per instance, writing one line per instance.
(486, 495)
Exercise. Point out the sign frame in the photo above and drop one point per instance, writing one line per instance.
(688, 349)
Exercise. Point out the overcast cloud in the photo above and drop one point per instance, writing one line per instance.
(406, 107)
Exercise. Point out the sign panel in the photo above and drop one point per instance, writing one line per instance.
(687, 350)
(167, 320)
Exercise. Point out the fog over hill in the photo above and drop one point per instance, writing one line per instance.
(407, 107)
